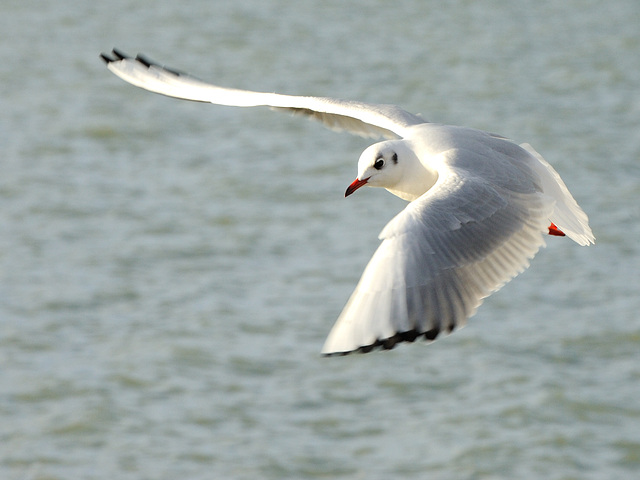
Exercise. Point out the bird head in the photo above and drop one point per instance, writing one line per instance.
(379, 166)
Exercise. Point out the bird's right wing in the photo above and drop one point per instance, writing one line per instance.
(365, 119)
(440, 256)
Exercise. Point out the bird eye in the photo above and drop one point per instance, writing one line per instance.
(379, 163)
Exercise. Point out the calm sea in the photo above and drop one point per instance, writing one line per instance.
(169, 270)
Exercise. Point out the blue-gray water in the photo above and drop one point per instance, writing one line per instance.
(169, 270)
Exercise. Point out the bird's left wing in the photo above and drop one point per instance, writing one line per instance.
(440, 257)
(365, 119)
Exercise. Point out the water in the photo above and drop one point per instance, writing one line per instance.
(169, 270)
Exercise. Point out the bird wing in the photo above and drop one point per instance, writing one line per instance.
(365, 119)
(440, 257)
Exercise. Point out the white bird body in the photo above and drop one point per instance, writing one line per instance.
(479, 208)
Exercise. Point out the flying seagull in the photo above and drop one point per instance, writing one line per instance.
(479, 208)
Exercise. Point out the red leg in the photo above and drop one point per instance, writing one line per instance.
(553, 230)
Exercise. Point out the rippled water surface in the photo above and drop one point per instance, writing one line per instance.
(169, 270)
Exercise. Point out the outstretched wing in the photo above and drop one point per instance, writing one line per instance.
(369, 120)
(440, 257)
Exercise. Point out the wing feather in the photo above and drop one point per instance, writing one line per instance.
(439, 258)
(365, 119)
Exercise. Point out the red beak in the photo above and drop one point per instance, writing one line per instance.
(356, 184)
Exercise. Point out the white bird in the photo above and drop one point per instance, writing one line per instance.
(479, 208)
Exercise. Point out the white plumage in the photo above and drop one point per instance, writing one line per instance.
(479, 208)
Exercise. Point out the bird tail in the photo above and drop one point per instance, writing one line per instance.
(567, 215)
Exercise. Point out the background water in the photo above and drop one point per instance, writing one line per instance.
(169, 270)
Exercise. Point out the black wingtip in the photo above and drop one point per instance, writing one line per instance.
(117, 56)
(390, 343)
(144, 60)
(147, 62)
(335, 354)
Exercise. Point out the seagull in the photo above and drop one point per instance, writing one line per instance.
(479, 208)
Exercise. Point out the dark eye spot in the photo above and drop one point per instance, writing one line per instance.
(379, 163)
(395, 158)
